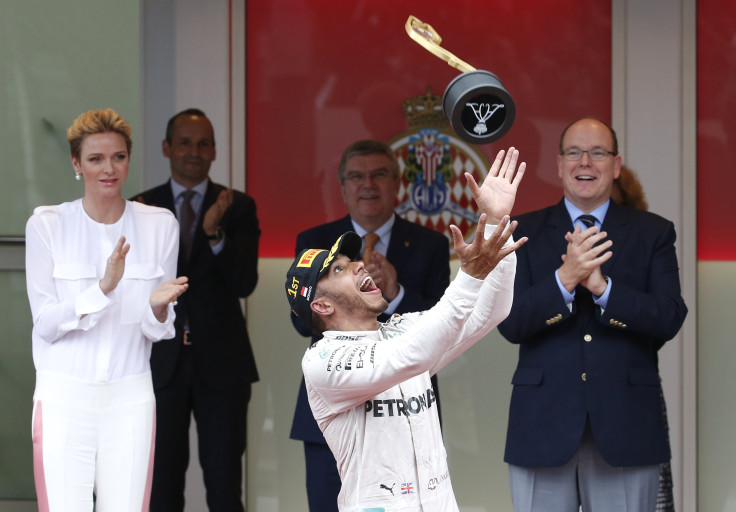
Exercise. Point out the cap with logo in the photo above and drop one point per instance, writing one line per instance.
(309, 267)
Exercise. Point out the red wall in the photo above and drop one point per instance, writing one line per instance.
(323, 74)
(716, 130)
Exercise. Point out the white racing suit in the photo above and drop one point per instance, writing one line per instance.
(371, 395)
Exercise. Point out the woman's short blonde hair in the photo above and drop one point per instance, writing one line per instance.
(97, 121)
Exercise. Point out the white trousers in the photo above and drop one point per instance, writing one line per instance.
(586, 481)
(93, 438)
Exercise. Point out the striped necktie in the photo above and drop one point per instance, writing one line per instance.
(588, 220)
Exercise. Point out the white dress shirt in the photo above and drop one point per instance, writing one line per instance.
(77, 330)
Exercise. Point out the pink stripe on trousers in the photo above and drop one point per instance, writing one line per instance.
(149, 476)
(38, 473)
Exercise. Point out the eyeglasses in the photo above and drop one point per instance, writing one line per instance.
(358, 178)
(595, 154)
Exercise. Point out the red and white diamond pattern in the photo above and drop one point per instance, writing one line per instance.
(464, 159)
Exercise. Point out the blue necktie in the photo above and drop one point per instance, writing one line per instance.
(588, 220)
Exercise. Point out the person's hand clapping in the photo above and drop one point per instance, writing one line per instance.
(115, 267)
(165, 293)
(383, 274)
(581, 264)
(213, 215)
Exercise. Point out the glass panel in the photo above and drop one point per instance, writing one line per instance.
(57, 60)
(16, 388)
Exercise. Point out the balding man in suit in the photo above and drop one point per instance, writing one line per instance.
(597, 294)
(208, 368)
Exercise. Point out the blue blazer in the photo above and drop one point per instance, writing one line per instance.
(421, 257)
(587, 363)
(220, 342)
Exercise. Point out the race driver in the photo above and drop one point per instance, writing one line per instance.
(369, 383)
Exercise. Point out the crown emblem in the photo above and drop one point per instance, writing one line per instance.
(425, 110)
(432, 161)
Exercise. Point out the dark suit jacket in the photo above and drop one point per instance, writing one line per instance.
(220, 345)
(421, 258)
(587, 363)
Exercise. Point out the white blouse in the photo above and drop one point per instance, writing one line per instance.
(77, 330)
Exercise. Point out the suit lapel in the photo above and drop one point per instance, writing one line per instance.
(558, 225)
(399, 241)
(210, 196)
(167, 198)
(162, 197)
(344, 225)
(615, 224)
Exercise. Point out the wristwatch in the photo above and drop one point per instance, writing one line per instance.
(218, 234)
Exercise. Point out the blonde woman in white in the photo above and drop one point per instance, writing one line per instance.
(100, 274)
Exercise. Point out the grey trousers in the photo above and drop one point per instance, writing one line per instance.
(586, 480)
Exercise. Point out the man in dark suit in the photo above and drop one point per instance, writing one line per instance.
(208, 368)
(592, 306)
(409, 263)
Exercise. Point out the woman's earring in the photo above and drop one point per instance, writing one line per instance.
(77, 176)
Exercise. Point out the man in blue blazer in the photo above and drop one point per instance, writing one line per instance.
(208, 368)
(409, 263)
(595, 298)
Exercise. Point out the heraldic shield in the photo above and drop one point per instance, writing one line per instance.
(432, 161)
